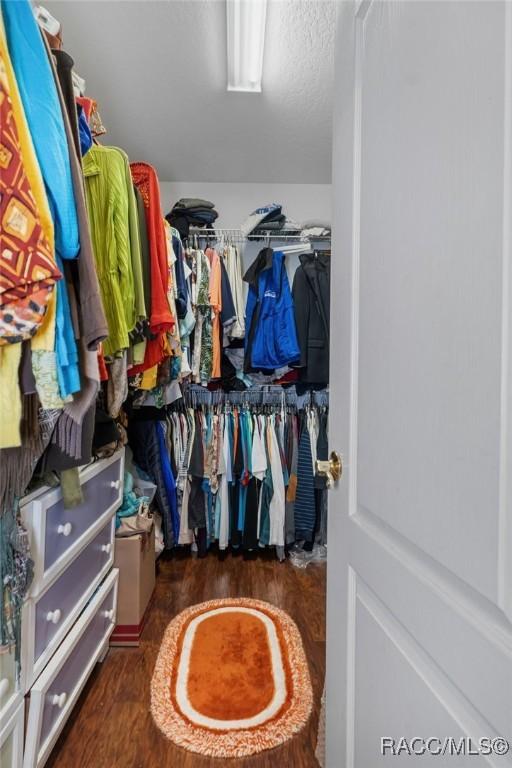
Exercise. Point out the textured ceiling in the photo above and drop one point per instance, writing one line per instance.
(158, 72)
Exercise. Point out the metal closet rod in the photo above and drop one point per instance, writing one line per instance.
(264, 234)
(268, 394)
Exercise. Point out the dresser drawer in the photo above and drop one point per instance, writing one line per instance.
(11, 695)
(51, 614)
(57, 534)
(55, 692)
(11, 739)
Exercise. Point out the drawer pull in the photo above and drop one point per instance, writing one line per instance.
(109, 614)
(106, 548)
(115, 484)
(65, 529)
(59, 700)
(4, 686)
(54, 616)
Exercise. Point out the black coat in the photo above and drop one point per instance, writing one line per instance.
(311, 297)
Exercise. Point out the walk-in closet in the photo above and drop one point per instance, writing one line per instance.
(255, 383)
(165, 459)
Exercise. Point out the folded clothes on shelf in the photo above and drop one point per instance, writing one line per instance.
(191, 211)
(266, 213)
(188, 203)
(312, 232)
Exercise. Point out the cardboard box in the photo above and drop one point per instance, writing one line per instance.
(135, 558)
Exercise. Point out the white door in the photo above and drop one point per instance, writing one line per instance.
(420, 529)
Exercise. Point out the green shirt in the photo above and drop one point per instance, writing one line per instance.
(135, 241)
(108, 206)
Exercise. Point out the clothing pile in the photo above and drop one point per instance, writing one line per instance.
(269, 219)
(315, 228)
(235, 476)
(191, 211)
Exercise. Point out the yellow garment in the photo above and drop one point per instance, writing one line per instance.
(149, 378)
(10, 396)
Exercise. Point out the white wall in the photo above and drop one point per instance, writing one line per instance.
(235, 201)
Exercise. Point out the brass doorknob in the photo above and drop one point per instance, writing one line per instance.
(331, 469)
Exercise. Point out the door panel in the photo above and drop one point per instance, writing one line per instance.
(419, 587)
(429, 304)
(453, 633)
(401, 703)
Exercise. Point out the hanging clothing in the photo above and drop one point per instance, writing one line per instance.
(271, 342)
(91, 315)
(27, 227)
(174, 336)
(168, 480)
(311, 297)
(144, 249)
(215, 294)
(139, 305)
(64, 63)
(108, 206)
(232, 470)
(38, 93)
(160, 317)
(204, 316)
(277, 503)
(181, 288)
(226, 478)
(146, 443)
(293, 441)
(146, 180)
(84, 132)
(267, 490)
(227, 307)
(71, 442)
(40, 101)
(232, 262)
(305, 495)
(26, 284)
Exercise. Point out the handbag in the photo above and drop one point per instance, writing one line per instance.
(140, 522)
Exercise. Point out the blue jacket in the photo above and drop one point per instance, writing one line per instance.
(272, 338)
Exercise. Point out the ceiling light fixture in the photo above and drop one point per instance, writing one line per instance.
(246, 41)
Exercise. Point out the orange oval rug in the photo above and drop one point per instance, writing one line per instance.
(231, 679)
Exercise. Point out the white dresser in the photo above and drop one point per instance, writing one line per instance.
(69, 614)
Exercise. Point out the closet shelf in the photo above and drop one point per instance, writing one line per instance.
(237, 234)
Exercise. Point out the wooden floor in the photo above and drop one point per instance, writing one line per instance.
(111, 726)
